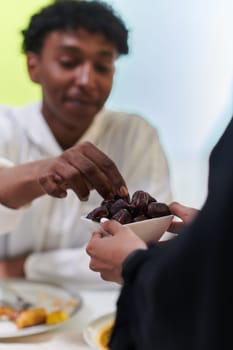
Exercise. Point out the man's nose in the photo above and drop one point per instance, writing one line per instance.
(85, 76)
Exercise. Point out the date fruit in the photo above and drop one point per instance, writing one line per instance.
(142, 207)
(98, 213)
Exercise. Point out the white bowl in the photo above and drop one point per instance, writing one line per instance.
(147, 230)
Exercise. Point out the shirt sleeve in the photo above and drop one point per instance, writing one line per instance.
(9, 218)
(66, 267)
(179, 296)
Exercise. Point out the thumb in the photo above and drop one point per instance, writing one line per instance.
(112, 227)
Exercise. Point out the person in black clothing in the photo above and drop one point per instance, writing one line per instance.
(178, 295)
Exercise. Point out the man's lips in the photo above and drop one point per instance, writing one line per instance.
(79, 101)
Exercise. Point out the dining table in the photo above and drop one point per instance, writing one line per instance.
(95, 302)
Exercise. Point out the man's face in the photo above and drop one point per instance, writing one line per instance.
(75, 70)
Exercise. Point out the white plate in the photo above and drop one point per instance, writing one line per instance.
(92, 331)
(44, 295)
(147, 230)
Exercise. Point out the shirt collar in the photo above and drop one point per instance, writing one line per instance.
(94, 130)
(40, 134)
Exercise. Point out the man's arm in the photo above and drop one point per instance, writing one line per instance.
(19, 183)
(67, 267)
(80, 168)
(12, 267)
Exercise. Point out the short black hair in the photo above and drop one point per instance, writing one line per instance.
(62, 15)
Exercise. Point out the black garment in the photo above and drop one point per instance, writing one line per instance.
(180, 296)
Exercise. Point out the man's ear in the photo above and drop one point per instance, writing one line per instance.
(33, 66)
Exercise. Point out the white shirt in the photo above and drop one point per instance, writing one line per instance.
(51, 228)
(9, 218)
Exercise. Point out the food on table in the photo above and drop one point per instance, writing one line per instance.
(8, 313)
(54, 312)
(72, 302)
(31, 317)
(57, 316)
(141, 207)
(23, 318)
(104, 336)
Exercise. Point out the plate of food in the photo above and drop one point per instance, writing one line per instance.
(28, 307)
(147, 217)
(98, 332)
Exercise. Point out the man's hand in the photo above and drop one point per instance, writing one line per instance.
(108, 253)
(186, 214)
(82, 168)
(12, 267)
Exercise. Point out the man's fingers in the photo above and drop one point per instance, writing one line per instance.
(67, 176)
(77, 183)
(93, 175)
(51, 187)
(107, 166)
(82, 168)
(86, 171)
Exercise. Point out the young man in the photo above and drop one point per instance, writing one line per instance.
(176, 296)
(71, 48)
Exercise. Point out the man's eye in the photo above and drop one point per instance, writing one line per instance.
(103, 69)
(68, 64)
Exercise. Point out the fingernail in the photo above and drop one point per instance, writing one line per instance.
(123, 191)
(103, 220)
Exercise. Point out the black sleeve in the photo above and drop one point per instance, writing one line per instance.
(179, 297)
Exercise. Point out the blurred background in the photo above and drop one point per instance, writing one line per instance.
(178, 75)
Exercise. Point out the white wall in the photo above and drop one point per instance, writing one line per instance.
(180, 76)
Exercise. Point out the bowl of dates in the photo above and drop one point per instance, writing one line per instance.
(143, 214)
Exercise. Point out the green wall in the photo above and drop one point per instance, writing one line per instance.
(15, 86)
